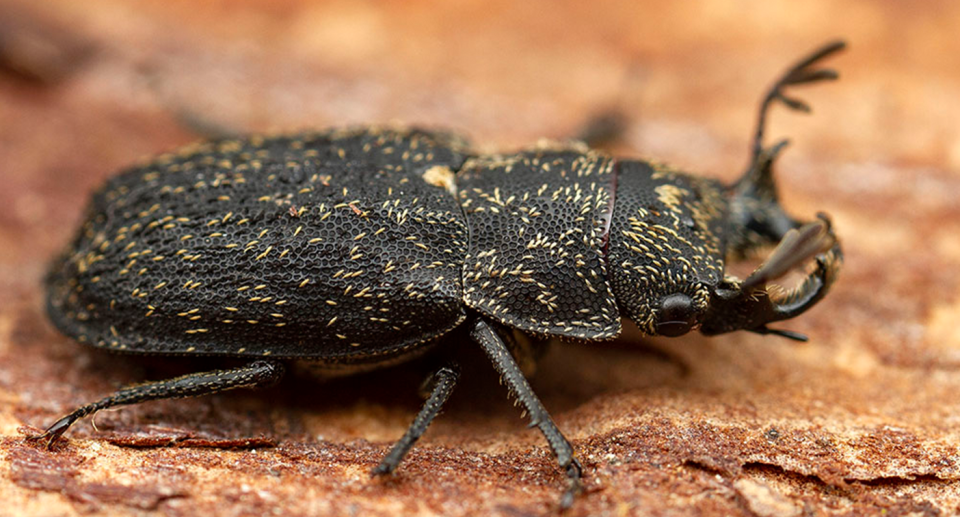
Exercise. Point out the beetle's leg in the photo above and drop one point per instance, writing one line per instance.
(254, 375)
(757, 217)
(604, 128)
(442, 383)
(800, 73)
(510, 373)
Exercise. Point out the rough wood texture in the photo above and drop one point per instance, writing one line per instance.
(861, 420)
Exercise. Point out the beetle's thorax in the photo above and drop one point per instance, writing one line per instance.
(538, 221)
(665, 247)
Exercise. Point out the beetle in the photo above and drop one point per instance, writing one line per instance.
(351, 249)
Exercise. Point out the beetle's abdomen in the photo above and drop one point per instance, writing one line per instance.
(338, 246)
(538, 221)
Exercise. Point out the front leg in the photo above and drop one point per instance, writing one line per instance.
(510, 373)
(755, 211)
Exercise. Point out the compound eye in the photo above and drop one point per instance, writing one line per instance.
(677, 315)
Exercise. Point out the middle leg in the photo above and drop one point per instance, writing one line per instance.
(443, 381)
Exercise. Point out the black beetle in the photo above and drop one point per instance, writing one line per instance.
(363, 247)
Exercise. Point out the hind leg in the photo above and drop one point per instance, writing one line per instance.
(254, 375)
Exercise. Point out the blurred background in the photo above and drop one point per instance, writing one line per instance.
(863, 418)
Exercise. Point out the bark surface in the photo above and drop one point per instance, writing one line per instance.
(863, 419)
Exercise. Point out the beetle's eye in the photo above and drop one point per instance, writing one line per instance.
(677, 315)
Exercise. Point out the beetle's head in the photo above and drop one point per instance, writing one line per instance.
(665, 247)
(670, 309)
(674, 308)
(751, 218)
(669, 239)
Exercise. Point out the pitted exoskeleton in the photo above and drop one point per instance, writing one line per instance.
(358, 248)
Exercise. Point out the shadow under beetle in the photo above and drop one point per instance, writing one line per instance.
(363, 247)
